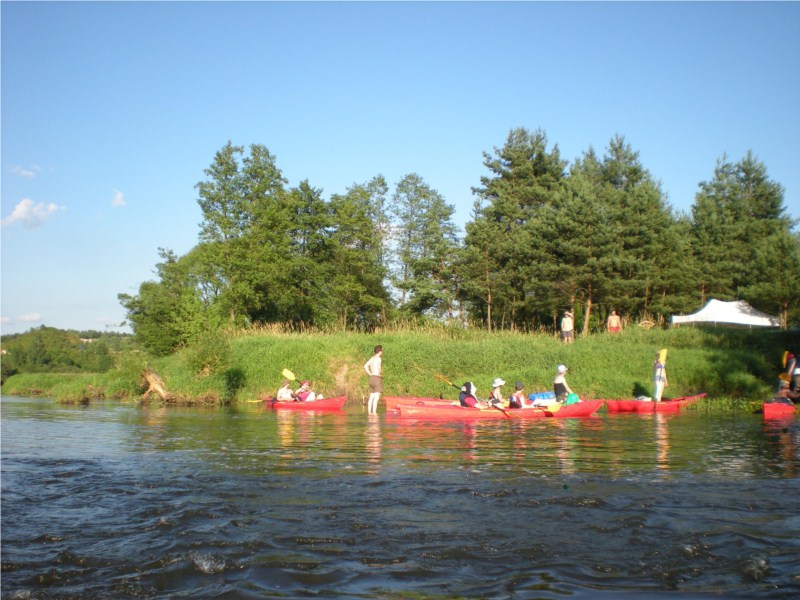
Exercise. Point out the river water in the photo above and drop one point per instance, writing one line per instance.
(121, 501)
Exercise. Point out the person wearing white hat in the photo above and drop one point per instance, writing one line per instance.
(496, 395)
(560, 387)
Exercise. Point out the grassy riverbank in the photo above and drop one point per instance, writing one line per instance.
(733, 366)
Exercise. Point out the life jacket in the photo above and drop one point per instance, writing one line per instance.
(467, 396)
(301, 396)
(515, 400)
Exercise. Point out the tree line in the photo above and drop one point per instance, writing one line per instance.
(544, 235)
(50, 350)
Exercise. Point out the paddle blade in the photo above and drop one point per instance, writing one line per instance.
(785, 358)
(555, 407)
(662, 356)
(288, 375)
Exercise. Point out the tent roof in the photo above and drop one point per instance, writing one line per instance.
(737, 312)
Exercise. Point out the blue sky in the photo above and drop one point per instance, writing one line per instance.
(111, 112)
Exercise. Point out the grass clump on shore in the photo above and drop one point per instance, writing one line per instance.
(734, 367)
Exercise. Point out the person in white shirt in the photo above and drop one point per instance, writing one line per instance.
(374, 368)
(285, 393)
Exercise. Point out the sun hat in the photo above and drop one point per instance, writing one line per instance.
(561, 369)
(498, 382)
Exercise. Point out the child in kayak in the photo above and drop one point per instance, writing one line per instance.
(496, 395)
(304, 393)
(517, 399)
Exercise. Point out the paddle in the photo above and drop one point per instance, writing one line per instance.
(495, 406)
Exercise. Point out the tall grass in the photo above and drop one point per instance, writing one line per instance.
(728, 364)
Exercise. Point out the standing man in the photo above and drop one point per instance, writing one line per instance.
(567, 327)
(614, 322)
(374, 368)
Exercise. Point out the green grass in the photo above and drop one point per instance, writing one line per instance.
(736, 368)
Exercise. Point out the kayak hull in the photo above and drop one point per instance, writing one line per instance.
(335, 403)
(647, 406)
(422, 409)
(776, 410)
(392, 402)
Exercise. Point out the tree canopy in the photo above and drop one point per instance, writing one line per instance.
(544, 236)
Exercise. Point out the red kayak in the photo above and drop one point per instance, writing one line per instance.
(778, 410)
(335, 403)
(431, 408)
(648, 406)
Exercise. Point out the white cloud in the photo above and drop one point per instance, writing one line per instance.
(5, 320)
(31, 318)
(26, 172)
(118, 199)
(31, 215)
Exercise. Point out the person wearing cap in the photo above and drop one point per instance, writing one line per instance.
(496, 395)
(517, 399)
(560, 387)
(567, 327)
(304, 393)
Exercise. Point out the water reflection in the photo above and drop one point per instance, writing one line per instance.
(121, 501)
(661, 421)
(374, 441)
(782, 441)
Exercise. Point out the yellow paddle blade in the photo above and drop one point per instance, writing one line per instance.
(785, 358)
(555, 407)
(288, 375)
(662, 356)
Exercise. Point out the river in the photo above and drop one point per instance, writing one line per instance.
(120, 501)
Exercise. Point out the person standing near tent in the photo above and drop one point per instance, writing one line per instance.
(659, 375)
(374, 368)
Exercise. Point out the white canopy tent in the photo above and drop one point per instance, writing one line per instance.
(736, 314)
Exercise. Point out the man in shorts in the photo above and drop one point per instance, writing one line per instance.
(374, 368)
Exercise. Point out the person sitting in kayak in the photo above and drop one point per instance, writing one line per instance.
(285, 393)
(560, 387)
(517, 399)
(468, 395)
(304, 393)
(496, 395)
(785, 392)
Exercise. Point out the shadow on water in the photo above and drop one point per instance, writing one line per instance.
(161, 502)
